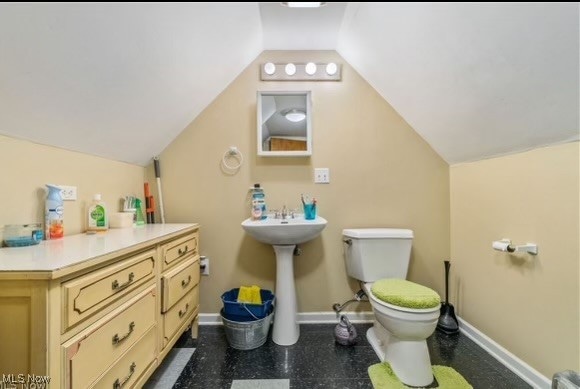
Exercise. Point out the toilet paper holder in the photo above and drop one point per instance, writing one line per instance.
(506, 246)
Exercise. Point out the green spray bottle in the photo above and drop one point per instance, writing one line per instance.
(140, 219)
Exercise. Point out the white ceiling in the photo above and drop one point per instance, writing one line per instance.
(474, 80)
(118, 80)
(122, 80)
(301, 28)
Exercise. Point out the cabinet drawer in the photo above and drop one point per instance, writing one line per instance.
(177, 282)
(88, 294)
(91, 353)
(179, 313)
(127, 370)
(178, 249)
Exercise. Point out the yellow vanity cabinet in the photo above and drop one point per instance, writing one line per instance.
(92, 312)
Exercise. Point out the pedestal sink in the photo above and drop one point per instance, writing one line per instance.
(284, 235)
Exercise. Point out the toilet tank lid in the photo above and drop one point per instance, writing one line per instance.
(374, 233)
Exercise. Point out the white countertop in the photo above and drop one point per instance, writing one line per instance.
(58, 254)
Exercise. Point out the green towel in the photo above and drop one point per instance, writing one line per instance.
(383, 377)
(407, 294)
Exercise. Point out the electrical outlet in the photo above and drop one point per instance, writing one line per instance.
(68, 193)
(204, 265)
(322, 175)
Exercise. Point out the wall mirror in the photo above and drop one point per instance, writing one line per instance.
(284, 124)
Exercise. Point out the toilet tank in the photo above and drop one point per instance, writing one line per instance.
(372, 254)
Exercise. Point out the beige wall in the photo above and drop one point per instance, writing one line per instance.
(382, 174)
(528, 304)
(27, 167)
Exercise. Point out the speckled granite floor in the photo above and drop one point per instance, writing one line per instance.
(316, 361)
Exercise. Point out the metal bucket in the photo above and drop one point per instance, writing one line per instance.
(567, 379)
(247, 335)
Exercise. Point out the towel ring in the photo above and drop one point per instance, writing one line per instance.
(235, 154)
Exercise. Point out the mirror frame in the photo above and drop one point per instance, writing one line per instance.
(301, 153)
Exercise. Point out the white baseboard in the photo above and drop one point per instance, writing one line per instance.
(516, 365)
(332, 317)
(304, 317)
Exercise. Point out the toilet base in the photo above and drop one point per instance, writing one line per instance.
(409, 359)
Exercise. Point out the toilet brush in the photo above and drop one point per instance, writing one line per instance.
(447, 320)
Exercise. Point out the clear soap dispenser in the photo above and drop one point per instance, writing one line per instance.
(258, 210)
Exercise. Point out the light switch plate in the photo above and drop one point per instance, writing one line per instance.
(322, 175)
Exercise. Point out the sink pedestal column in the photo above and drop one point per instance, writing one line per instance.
(286, 329)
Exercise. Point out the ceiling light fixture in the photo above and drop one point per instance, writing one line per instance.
(270, 68)
(310, 68)
(290, 69)
(294, 115)
(303, 4)
(331, 69)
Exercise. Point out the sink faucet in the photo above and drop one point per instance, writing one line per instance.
(284, 212)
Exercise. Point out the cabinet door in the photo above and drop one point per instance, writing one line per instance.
(177, 282)
(92, 352)
(23, 313)
(179, 314)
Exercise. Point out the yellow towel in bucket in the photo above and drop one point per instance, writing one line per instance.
(250, 295)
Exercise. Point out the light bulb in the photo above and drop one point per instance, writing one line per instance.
(295, 115)
(290, 69)
(270, 68)
(310, 68)
(310, 4)
(331, 69)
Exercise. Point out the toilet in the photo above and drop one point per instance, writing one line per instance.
(405, 313)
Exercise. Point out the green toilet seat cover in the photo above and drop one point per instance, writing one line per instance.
(406, 294)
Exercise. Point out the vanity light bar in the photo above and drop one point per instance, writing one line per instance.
(300, 71)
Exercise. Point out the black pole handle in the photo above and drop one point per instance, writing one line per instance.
(156, 165)
(447, 266)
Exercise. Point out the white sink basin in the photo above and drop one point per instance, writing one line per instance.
(284, 231)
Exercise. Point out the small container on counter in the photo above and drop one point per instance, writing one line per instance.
(18, 235)
(121, 219)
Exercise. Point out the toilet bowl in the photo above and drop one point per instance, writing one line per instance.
(405, 313)
(398, 336)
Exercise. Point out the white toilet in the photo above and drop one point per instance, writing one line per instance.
(406, 313)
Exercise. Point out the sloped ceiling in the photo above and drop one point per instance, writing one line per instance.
(474, 80)
(122, 80)
(118, 80)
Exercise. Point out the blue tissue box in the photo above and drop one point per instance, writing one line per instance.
(236, 311)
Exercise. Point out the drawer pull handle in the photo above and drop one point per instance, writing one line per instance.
(117, 286)
(117, 339)
(182, 252)
(119, 384)
(182, 313)
(185, 283)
